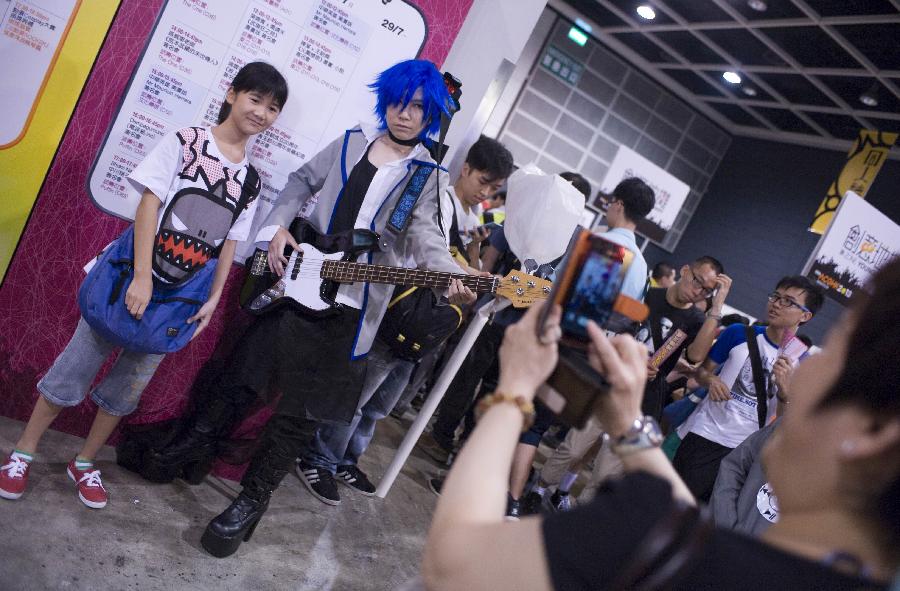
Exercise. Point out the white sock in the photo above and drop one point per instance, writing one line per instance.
(22, 456)
(568, 480)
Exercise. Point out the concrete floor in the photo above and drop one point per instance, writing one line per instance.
(148, 536)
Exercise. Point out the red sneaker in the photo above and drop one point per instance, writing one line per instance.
(13, 477)
(90, 488)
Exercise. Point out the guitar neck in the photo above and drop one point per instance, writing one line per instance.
(351, 272)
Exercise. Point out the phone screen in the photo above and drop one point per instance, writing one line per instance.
(594, 290)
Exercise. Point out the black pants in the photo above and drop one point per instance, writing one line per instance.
(283, 441)
(697, 462)
(480, 365)
(308, 361)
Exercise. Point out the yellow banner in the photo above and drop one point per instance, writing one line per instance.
(863, 163)
(47, 59)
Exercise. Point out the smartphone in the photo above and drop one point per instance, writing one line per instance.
(587, 288)
(588, 285)
(491, 226)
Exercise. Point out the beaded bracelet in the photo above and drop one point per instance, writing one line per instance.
(521, 403)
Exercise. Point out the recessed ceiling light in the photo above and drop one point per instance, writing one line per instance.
(870, 97)
(646, 12)
(749, 91)
(757, 5)
(732, 77)
(868, 100)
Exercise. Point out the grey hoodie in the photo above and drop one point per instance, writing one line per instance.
(742, 499)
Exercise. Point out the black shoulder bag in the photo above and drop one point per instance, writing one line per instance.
(667, 553)
(414, 322)
(759, 377)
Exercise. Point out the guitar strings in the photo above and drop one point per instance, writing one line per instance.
(480, 283)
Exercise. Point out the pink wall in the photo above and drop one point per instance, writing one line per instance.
(38, 311)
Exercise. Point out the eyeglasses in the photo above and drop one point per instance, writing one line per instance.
(785, 301)
(706, 291)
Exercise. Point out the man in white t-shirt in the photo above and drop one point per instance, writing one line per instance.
(728, 415)
(487, 166)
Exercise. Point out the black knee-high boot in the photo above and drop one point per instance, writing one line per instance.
(191, 454)
(283, 439)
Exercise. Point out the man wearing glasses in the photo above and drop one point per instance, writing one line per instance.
(673, 308)
(728, 415)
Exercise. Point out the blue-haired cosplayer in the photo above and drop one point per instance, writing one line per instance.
(318, 364)
(398, 84)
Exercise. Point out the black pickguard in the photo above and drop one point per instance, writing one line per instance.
(259, 278)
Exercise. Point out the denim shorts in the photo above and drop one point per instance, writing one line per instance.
(69, 379)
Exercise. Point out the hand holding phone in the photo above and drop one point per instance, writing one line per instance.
(587, 290)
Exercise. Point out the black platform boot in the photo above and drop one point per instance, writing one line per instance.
(224, 534)
(236, 524)
(190, 456)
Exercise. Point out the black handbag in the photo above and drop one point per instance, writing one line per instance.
(415, 323)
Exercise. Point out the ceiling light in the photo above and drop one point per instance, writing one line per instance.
(732, 77)
(749, 91)
(868, 100)
(646, 12)
(583, 25)
(870, 97)
(757, 5)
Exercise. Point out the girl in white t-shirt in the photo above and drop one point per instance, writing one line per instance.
(191, 185)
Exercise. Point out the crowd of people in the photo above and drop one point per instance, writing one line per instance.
(796, 454)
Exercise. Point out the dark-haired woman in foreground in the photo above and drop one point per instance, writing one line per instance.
(834, 464)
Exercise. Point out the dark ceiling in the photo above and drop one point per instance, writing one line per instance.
(807, 62)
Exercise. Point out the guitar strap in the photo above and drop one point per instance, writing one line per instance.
(399, 218)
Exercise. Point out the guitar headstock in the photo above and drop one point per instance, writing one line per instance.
(523, 289)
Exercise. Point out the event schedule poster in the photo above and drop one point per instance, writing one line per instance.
(31, 32)
(328, 50)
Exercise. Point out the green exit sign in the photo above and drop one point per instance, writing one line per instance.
(578, 36)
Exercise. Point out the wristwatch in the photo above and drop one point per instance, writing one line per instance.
(644, 433)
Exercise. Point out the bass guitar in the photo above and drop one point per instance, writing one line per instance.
(314, 273)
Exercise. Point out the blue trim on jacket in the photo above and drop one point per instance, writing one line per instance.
(343, 177)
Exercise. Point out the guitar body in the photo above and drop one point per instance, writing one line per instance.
(302, 287)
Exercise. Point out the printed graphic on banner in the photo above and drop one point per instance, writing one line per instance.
(328, 50)
(32, 33)
(670, 192)
(37, 95)
(863, 163)
(859, 241)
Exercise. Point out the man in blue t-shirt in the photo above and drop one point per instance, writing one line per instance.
(728, 415)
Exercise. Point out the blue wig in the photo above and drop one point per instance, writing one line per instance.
(398, 84)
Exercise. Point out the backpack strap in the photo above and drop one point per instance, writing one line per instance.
(759, 376)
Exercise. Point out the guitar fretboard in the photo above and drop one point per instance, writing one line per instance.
(350, 272)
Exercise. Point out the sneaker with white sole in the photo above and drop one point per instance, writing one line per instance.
(560, 501)
(320, 483)
(513, 508)
(14, 476)
(90, 487)
(356, 479)
(436, 484)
